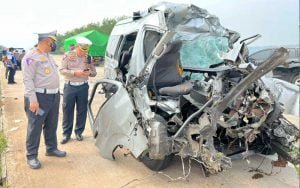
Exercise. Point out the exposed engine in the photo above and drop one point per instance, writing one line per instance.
(221, 118)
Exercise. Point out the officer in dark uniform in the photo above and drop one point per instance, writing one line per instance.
(42, 98)
(12, 66)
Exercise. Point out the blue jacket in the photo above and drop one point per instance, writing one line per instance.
(12, 58)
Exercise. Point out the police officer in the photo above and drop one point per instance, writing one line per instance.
(11, 66)
(76, 70)
(42, 97)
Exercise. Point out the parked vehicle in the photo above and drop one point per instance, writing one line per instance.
(178, 83)
(289, 72)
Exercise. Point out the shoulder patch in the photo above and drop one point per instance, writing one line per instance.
(29, 61)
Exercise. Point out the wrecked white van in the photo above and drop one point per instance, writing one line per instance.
(178, 83)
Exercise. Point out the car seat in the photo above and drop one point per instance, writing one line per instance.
(126, 56)
(166, 76)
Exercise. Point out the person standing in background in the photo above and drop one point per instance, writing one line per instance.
(5, 61)
(11, 65)
(17, 54)
(21, 57)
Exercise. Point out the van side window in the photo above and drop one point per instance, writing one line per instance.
(127, 43)
(114, 42)
(150, 41)
(125, 52)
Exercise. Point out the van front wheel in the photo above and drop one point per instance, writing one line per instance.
(295, 79)
(157, 165)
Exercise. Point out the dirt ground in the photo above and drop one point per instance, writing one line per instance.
(84, 167)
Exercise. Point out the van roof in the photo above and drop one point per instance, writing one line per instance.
(128, 20)
(129, 25)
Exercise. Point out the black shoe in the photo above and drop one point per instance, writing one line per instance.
(34, 163)
(79, 137)
(65, 139)
(14, 82)
(56, 153)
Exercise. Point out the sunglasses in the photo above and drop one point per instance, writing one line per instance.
(83, 48)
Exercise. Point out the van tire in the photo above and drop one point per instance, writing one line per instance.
(295, 79)
(157, 165)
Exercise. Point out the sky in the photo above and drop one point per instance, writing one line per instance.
(276, 20)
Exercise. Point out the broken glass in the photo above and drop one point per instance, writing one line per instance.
(203, 52)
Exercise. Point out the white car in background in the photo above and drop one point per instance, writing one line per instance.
(289, 72)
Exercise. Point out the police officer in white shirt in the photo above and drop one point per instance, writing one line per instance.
(76, 70)
(42, 98)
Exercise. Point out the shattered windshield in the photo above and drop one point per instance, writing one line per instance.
(203, 51)
(204, 39)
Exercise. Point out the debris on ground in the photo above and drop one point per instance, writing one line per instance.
(257, 176)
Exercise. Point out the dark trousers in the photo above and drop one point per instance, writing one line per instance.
(11, 75)
(19, 65)
(74, 95)
(46, 122)
(6, 72)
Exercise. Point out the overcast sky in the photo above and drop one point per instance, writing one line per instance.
(276, 20)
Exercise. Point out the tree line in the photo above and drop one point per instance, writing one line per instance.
(2, 48)
(104, 27)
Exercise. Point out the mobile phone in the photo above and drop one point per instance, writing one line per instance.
(89, 60)
(40, 112)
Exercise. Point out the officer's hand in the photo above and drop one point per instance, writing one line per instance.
(87, 72)
(78, 73)
(34, 106)
(81, 73)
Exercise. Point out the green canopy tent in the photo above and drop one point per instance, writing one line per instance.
(98, 39)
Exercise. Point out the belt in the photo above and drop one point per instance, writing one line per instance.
(46, 91)
(76, 83)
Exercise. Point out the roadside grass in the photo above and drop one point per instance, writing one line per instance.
(3, 143)
(297, 169)
(3, 146)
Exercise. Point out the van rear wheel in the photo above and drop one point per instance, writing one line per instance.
(157, 165)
